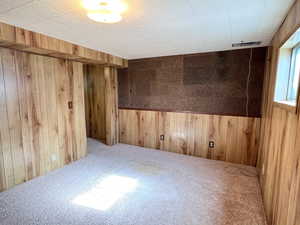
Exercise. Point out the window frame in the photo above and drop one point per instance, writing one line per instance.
(289, 97)
(292, 106)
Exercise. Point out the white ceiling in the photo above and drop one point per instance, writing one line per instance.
(153, 27)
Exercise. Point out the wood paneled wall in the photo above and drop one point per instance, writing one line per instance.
(279, 159)
(212, 83)
(38, 130)
(29, 41)
(101, 96)
(95, 109)
(111, 104)
(236, 138)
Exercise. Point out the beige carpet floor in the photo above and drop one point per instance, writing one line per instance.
(127, 185)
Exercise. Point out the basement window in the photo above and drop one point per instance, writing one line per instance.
(294, 74)
(288, 73)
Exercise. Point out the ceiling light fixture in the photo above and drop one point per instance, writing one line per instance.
(105, 11)
(105, 18)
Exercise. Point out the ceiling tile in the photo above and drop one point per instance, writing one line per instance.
(153, 28)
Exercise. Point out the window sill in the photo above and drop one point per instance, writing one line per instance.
(286, 105)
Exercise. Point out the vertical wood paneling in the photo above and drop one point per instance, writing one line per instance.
(63, 97)
(38, 120)
(79, 130)
(32, 113)
(38, 131)
(218, 130)
(87, 105)
(111, 105)
(231, 145)
(294, 198)
(39, 73)
(101, 108)
(95, 102)
(197, 128)
(174, 129)
(236, 138)
(51, 100)
(282, 164)
(8, 172)
(128, 130)
(149, 128)
(279, 157)
(13, 112)
(25, 101)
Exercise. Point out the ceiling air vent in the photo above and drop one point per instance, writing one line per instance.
(246, 44)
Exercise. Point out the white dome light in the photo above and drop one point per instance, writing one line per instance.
(105, 18)
(105, 11)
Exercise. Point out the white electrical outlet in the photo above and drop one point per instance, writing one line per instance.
(53, 157)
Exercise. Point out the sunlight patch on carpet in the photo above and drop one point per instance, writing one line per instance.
(107, 192)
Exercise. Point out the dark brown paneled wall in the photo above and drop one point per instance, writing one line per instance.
(208, 83)
(40, 130)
